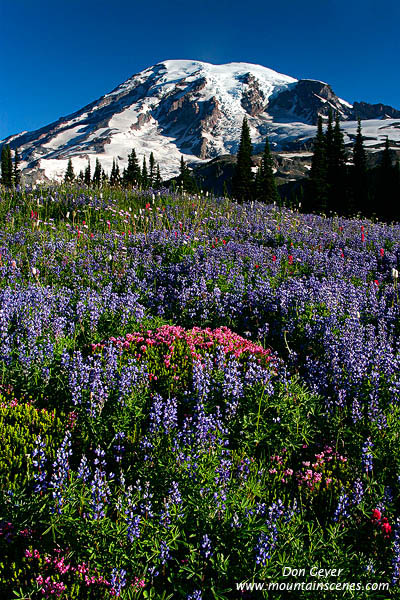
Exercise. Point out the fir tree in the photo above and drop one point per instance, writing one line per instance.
(145, 178)
(359, 155)
(385, 195)
(359, 174)
(132, 174)
(87, 176)
(329, 141)
(152, 172)
(318, 187)
(6, 166)
(97, 173)
(337, 172)
(242, 181)
(115, 176)
(16, 169)
(266, 188)
(158, 181)
(69, 173)
(185, 180)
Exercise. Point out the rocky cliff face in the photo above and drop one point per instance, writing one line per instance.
(374, 111)
(306, 100)
(196, 109)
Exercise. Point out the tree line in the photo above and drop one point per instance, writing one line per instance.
(247, 185)
(337, 182)
(133, 174)
(345, 184)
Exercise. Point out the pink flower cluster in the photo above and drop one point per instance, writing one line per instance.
(313, 473)
(196, 339)
(51, 586)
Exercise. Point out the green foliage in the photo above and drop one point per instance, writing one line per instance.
(21, 424)
(69, 173)
(242, 182)
(6, 166)
(266, 188)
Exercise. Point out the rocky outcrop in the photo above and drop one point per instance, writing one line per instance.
(253, 98)
(142, 119)
(363, 110)
(306, 100)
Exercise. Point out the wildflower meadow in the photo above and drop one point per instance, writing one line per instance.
(196, 396)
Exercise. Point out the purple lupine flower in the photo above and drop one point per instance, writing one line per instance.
(61, 470)
(146, 506)
(205, 547)
(195, 595)
(39, 461)
(164, 553)
(99, 486)
(223, 470)
(358, 492)
(366, 456)
(83, 469)
(118, 581)
(174, 494)
(396, 554)
(232, 386)
(268, 540)
(201, 378)
(132, 519)
(163, 414)
(342, 507)
(235, 523)
(119, 449)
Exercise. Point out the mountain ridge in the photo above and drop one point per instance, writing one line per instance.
(195, 109)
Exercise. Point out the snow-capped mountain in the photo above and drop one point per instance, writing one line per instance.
(195, 109)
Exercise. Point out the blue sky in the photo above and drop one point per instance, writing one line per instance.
(59, 56)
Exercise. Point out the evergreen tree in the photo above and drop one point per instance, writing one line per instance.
(152, 173)
(318, 186)
(158, 181)
(359, 174)
(359, 155)
(266, 188)
(385, 195)
(115, 176)
(69, 173)
(81, 176)
(242, 181)
(97, 173)
(145, 178)
(87, 176)
(6, 166)
(329, 141)
(337, 173)
(16, 169)
(185, 179)
(132, 174)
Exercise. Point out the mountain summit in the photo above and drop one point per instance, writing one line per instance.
(195, 109)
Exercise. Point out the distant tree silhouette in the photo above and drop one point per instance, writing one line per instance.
(242, 181)
(16, 169)
(97, 173)
(69, 173)
(6, 166)
(266, 188)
